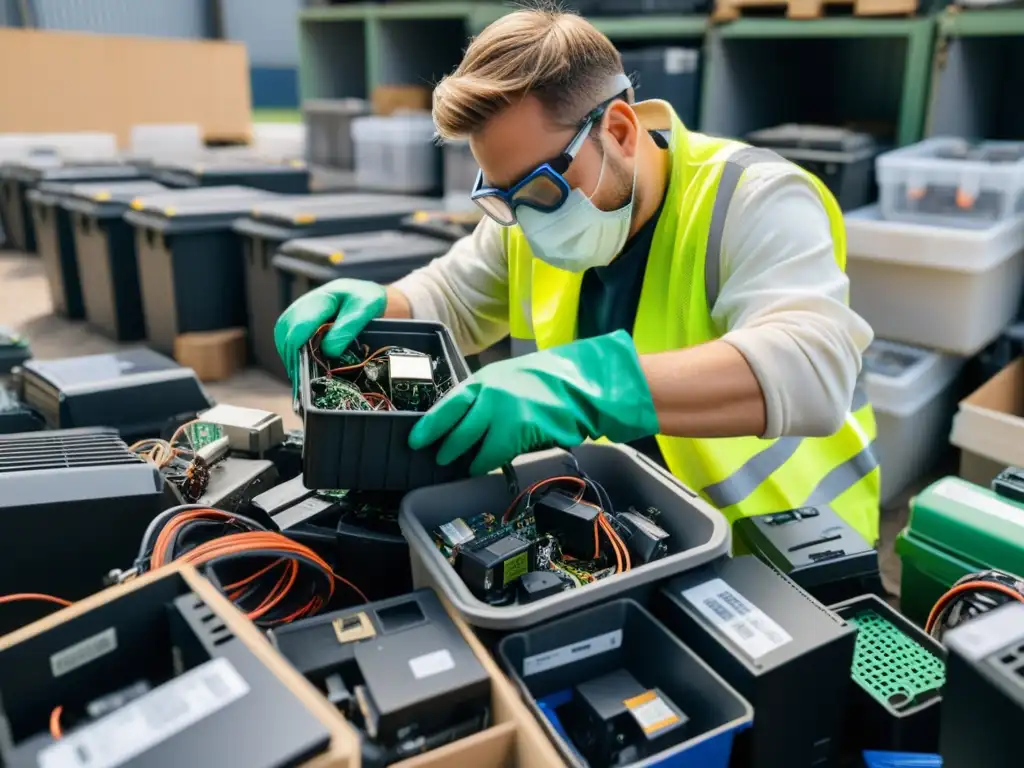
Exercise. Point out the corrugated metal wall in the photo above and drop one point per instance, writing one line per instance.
(269, 28)
(158, 18)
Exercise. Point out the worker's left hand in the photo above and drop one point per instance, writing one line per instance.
(555, 398)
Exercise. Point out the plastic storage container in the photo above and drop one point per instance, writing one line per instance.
(329, 131)
(668, 73)
(288, 177)
(950, 182)
(105, 252)
(898, 674)
(629, 478)
(633, 7)
(843, 159)
(938, 288)
(169, 140)
(396, 153)
(914, 396)
(548, 662)
(269, 226)
(445, 225)
(460, 172)
(369, 450)
(955, 528)
(190, 260)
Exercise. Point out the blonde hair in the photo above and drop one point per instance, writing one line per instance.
(558, 57)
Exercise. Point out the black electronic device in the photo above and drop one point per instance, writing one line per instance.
(614, 720)
(14, 350)
(647, 541)
(74, 505)
(537, 585)
(287, 456)
(174, 661)
(399, 668)
(983, 699)
(491, 571)
(1010, 484)
(570, 520)
(234, 482)
(778, 646)
(817, 549)
(136, 391)
(14, 416)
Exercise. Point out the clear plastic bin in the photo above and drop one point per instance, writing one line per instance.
(329, 131)
(951, 182)
(396, 153)
(164, 141)
(699, 533)
(946, 289)
(914, 398)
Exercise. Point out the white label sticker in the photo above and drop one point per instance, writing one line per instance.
(80, 654)
(431, 664)
(739, 619)
(163, 712)
(679, 61)
(654, 715)
(962, 494)
(567, 654)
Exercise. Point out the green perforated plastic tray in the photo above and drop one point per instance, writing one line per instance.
(891, 666)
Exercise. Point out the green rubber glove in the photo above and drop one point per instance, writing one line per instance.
(555, 398)
(350, 304)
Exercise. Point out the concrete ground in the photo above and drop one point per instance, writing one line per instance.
(25, 305)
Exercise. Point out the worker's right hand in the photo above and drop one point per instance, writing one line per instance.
(349, 304)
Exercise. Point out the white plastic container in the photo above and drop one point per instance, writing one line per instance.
(951, 182)
(85, 146)
(946, 289)
(396, 153)
(170, 140)
(913, 394)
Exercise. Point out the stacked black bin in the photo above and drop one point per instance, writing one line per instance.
(190, 260)
(290, 177)
(269, 226)
(105, 253)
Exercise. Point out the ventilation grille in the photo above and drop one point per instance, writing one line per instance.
(205, 620)
(1011, 664)
(71, 449)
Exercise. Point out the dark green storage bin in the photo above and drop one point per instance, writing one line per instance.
(105, 253)
(269, 226)
(289, 177)
(190, 260)
(956, 528)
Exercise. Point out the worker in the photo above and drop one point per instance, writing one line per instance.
(662, 288)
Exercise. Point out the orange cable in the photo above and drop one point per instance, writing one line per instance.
(55, 729)
(968, 586)
(34, 596)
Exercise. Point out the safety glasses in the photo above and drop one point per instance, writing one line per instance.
(544, 189)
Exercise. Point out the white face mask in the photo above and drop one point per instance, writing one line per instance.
(579, 235)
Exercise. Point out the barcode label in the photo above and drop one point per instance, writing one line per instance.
(163, 712)
(567, 654)
(80, 654)
(430, 664)
(739, 619)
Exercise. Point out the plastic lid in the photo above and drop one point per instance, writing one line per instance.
(203, 201)
(308, 209)
(73, 172)
(118, 191)
(970, 522)
(826, 137)
(898, 378)
(370, 246)
(336, 106)
(92, 369)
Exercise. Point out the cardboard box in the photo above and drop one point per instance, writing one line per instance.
(989, 426)
(388, 99)
(213, 355)
(66, 644)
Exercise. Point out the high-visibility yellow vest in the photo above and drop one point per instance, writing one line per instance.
(741, 476)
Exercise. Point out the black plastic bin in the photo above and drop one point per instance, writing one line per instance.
(269, 226)
(290, 177)
(906, 667)
(444, 225)
(105, 253)
(369, 450)
(304, 264)
(190, 260)
(670, 73)
(549, 661)
(843, 159)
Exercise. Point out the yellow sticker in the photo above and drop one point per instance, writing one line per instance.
(137, 204)
(420, 216)
(170, 211)
(101, 197)
(297, 164)
(336, 258)
(304, 218)
(515, 567)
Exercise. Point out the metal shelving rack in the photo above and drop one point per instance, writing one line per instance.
(755, 69)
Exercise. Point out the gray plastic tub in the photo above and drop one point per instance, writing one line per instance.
(699, 532)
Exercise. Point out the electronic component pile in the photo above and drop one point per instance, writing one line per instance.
(391, 378)
(560, 533)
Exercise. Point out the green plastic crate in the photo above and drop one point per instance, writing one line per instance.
(955, 528)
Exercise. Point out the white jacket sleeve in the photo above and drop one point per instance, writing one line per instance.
(466, 289)
(783, 303)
